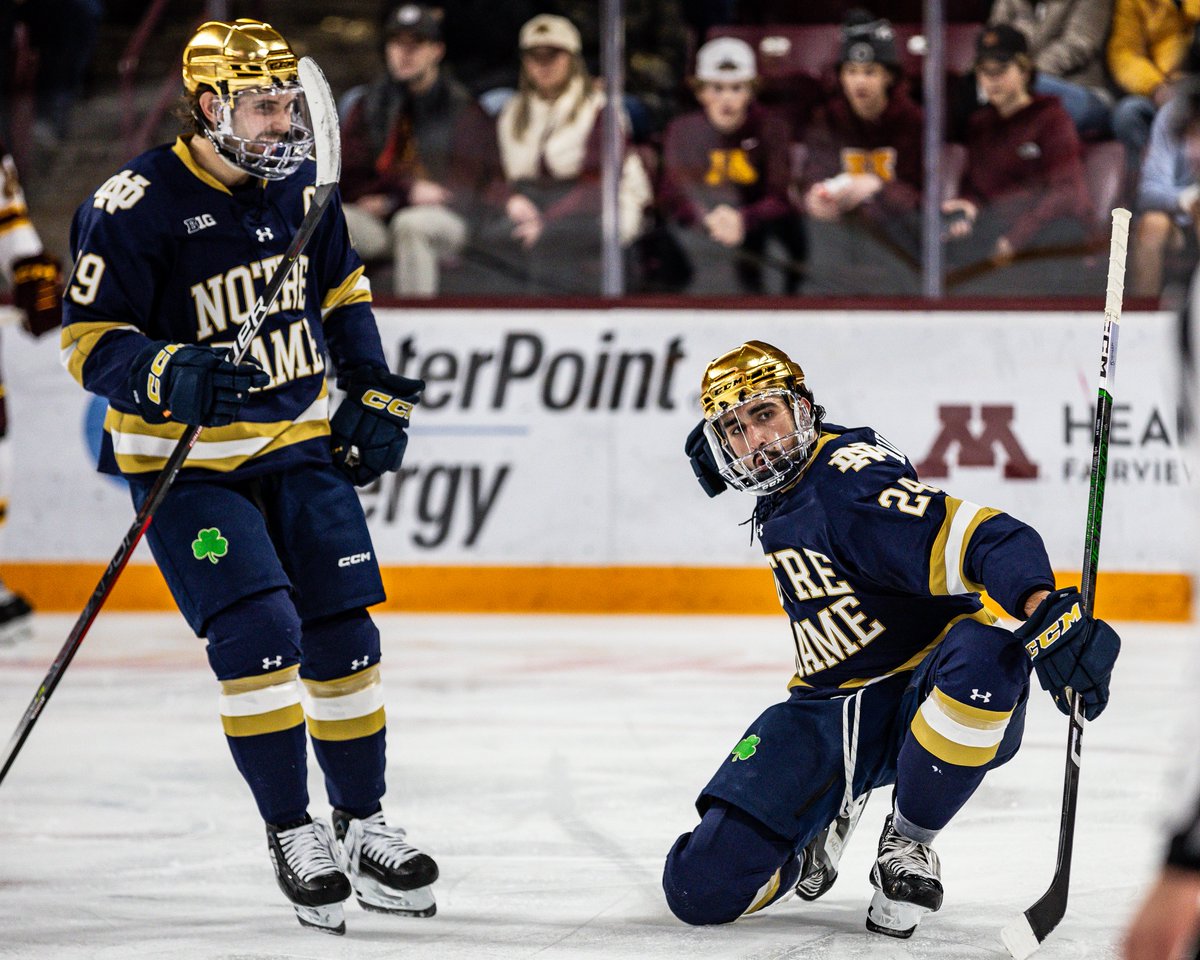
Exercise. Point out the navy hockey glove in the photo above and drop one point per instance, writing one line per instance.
(192, 384)
(37, 290)
(368, 427)
(1071, 649)
(703, 465)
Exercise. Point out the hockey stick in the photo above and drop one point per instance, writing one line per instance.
(328, 149)
(1025, 934)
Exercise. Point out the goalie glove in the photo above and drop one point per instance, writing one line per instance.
(368, 428)
(1071, 651)
(37, 291)
(192, 384)
(703, 465)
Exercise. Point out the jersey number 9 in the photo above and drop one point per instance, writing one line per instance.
(85, 281)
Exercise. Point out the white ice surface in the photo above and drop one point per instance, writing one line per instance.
(548, 764)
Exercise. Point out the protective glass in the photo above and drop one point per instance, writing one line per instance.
(265, 131)
(762, 443)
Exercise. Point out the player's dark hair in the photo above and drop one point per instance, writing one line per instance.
(187, 111)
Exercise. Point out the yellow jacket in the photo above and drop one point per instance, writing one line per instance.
(1148, 41)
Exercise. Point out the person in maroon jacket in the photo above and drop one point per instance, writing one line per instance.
(1023, 189)
(862, 175)
(725, 177)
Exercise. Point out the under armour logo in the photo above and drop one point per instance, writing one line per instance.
(976, 695)
(360, 664)
(268, 663)
(264, 234)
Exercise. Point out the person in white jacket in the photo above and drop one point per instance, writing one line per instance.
(550, 147)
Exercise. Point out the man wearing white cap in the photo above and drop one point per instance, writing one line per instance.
(725, 174)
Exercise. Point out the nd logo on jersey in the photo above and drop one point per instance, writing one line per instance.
(120, 191)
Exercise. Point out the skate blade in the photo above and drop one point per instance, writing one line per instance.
(328, 919)
(376, 898)
(893, 918)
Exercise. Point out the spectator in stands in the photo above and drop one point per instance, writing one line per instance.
(1148, 41)
(1066, 44)
(657, 45)
(550, 140)
(1167, 200)
(862, 177)
(725, 177)
(1023, 187)
(398, 143)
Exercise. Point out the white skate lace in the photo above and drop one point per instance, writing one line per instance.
(380, 843)
(909, 856)
(309, 850)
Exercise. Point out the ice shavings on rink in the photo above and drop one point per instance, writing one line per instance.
(547, 763)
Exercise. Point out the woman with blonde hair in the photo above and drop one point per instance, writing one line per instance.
(550, 141)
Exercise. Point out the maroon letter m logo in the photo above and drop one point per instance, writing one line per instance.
(977, 451)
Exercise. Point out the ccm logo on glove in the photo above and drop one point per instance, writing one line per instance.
(382, 401)
(158, 366)
(1071, 651)
(367, 431)
(1056, 630)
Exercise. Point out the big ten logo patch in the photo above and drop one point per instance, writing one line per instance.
(979, 437)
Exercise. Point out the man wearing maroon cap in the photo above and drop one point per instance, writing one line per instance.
(861, 180)
(1023, 187)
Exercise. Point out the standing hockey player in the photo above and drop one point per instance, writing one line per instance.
(902, 676)
(35, 280)
(262, 539)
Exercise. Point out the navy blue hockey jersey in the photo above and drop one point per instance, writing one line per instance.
(165, 252)
(873, 567)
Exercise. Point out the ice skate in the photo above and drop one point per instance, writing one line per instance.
(305, 859)
(388, 874)
(819, 867)
(16, 620)
(907, 882)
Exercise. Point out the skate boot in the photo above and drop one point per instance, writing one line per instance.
(819, 865)
(305, 860)
(907, 882)
(388, 874)
(16, 621)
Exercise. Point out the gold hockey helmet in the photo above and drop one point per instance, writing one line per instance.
(760, 419)
(248, 60)
(236, 56)
(746, 370)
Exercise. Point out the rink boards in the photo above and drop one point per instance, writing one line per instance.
(545, 470)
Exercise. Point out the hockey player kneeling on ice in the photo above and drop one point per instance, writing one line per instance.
(902, 677)
(261, 539)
